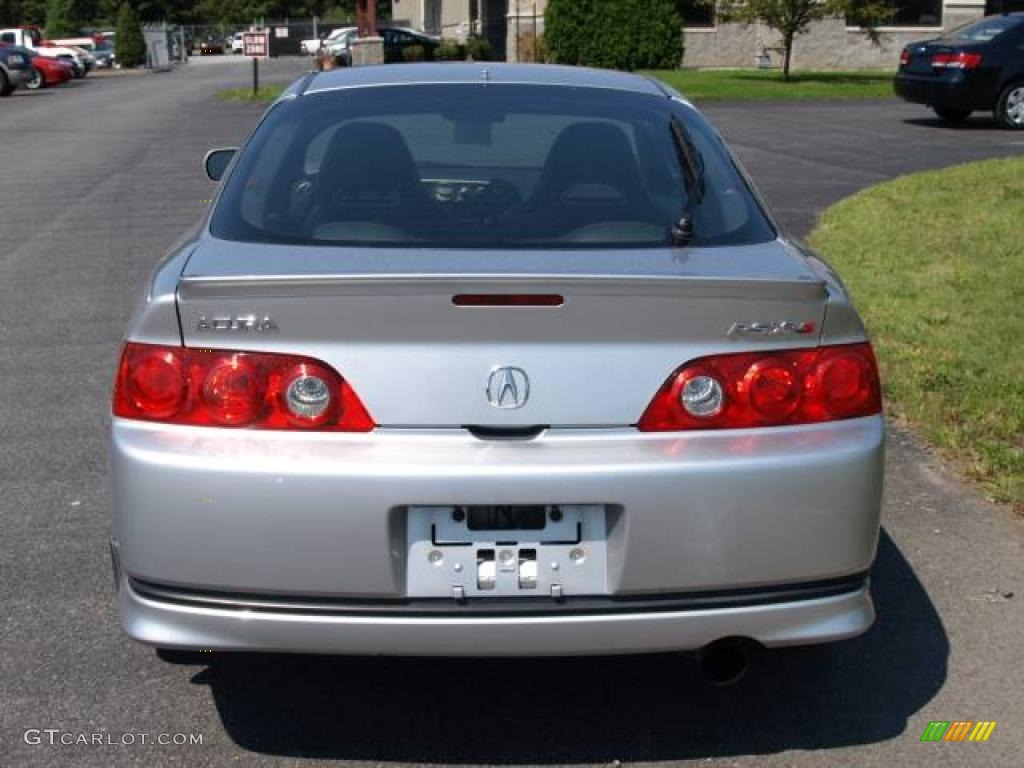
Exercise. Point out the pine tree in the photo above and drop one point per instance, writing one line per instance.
(129, 44)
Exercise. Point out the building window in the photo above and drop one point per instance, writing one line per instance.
(1003, 6)
(697, 13)
(906, 13)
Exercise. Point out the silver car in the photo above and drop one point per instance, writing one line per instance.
(492, 360)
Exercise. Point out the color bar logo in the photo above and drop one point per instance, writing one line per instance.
(958, 730)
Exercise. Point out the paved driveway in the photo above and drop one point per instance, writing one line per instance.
(805, 156)
(99, 177)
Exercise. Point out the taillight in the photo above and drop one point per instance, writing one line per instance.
(904, 57)
(207, 387)
(759, 389)
(961, 60)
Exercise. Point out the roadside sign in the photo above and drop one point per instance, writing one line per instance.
(256, 44)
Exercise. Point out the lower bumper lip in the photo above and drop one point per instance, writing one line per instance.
(795, 622)
(497, 607)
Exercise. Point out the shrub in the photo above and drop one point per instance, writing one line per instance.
(449, 50)
(414, 53)
(479, 49)
(618, 34)
(566, 29)
(129, 44)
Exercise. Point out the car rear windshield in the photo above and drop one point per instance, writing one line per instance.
(488, 166)
(984, 30)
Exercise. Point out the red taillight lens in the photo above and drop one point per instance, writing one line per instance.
(772, 387)
(961, 60)
(206, 387)
(758, 389)
(152, 383)
(904, 57)
(231, 392)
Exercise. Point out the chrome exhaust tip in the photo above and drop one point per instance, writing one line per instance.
(724, 662)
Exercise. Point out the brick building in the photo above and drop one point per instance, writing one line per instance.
(511, 25)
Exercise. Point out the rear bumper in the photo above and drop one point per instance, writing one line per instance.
(166, 620)
(952, 91)
(322, 517)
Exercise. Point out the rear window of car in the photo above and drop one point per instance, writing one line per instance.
(983, 31)
(484, 166)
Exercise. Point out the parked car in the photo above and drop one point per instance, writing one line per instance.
(47, 71)
(15, 68)
(237, 43)
(211, 48)
(313, 45)
(340, 47)
(398, 39)
(492, 360)
(104, 55)
(30, 37)
(84, 62)
(979, 66)
(86, 42)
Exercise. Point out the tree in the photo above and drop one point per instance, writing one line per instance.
(129, 44)
(791, 18)
(61, 19)
(618, 34)
(10, 12)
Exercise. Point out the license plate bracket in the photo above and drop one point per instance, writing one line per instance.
(513, 550)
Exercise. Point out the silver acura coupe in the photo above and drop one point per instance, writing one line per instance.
(492, 360)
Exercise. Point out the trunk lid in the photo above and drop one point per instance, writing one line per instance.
(385, 319)
(922, 54)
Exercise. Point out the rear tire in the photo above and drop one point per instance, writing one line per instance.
(952, 115)
(6, 89)
(1010, 108)
(37, 80)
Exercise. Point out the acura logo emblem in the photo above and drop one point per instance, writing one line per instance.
(508, 388)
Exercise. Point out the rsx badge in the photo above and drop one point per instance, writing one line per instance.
(771, 328)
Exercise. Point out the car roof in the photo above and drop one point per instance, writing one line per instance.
(479, 72)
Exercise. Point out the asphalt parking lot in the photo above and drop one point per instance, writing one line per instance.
(98, 180)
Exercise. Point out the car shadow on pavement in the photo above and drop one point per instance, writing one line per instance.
(594, 709)
(983, 122)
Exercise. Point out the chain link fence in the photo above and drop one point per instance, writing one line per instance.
(286, 35)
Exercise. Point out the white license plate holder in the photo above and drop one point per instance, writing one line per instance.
(447, 557)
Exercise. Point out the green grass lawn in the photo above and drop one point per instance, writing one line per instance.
(935, 262)
(719, 84)
(746, 84)
(266, 93)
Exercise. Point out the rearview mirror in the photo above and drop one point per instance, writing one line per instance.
(217, 161)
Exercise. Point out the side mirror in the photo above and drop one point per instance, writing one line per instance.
(217, 161)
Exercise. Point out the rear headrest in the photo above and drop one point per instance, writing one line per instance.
(367, 160)
(590, 155)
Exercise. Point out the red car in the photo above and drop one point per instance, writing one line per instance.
(48, 71)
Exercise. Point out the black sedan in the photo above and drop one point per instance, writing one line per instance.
(979, 66)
